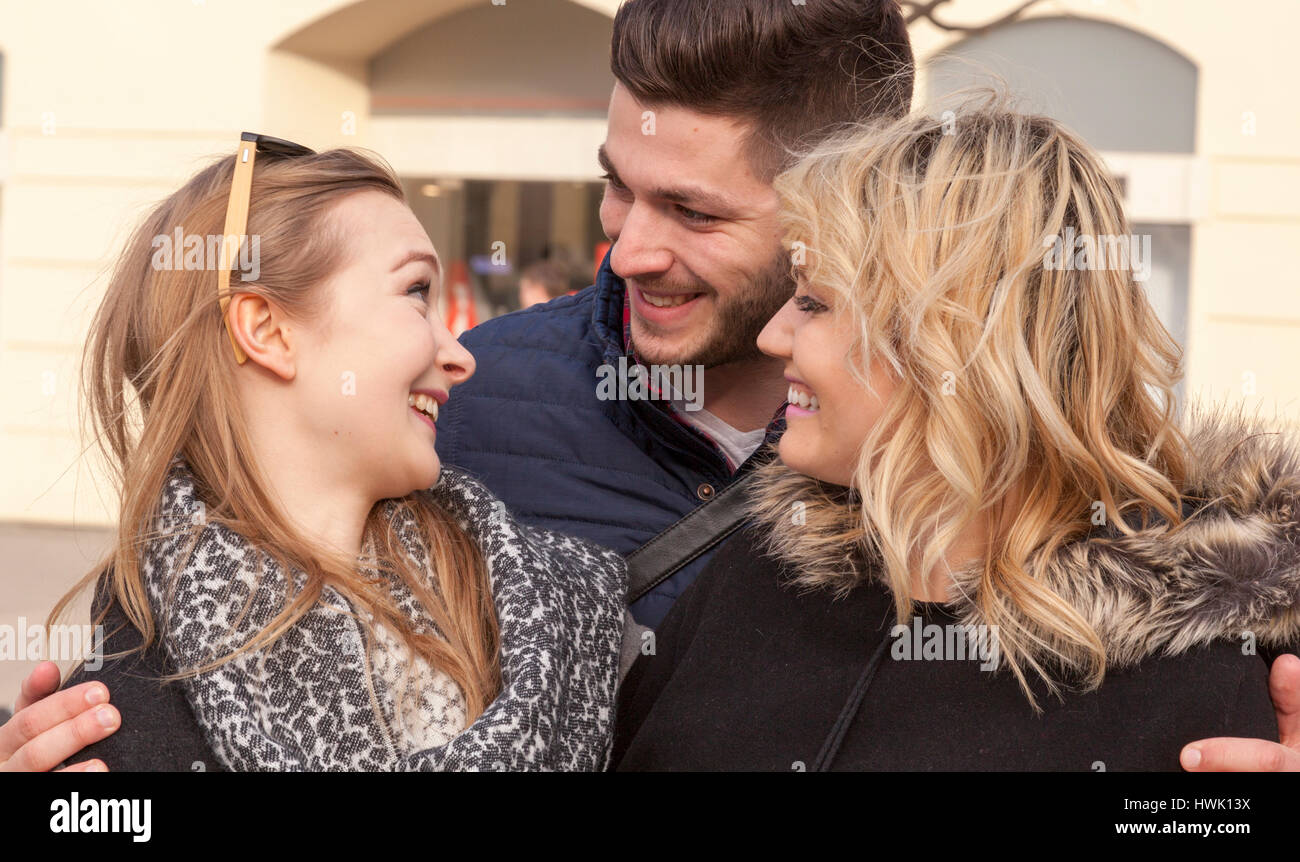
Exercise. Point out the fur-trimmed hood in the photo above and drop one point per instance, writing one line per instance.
(1232, 568)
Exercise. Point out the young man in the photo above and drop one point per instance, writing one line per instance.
(711, 101)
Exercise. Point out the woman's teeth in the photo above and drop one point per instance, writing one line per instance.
(668, 301)
(424, 404)
(803, 399)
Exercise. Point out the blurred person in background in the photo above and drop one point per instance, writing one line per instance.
(543, 281)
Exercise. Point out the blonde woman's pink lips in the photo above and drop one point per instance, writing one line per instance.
(793, 409)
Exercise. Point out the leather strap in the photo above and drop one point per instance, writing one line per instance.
(699, 530)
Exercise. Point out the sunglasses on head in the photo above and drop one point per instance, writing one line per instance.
(241, 187)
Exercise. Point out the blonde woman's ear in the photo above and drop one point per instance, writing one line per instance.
(263, 333)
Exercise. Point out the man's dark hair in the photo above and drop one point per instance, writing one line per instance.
(793, 72)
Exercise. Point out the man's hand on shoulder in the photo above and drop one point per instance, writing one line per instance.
(1231, 754)
(49, 726)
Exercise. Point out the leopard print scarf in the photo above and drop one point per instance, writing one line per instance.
(316, 699)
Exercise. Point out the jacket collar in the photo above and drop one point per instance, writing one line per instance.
(607, 311)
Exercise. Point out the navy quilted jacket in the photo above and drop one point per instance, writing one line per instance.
(529, 425)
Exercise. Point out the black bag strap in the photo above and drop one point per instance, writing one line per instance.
(699, 530)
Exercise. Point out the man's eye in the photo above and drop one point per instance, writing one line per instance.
(614, 183)
(803, 302)
(694, 217)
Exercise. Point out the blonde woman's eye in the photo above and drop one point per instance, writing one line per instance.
(419, 288)
(803, 302)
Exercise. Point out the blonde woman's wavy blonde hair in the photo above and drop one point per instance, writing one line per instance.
(1027, 394)
(159, 380)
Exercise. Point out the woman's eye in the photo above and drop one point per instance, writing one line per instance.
(803, 302)
(419, 288)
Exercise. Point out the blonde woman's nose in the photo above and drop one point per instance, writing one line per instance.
(778, 334)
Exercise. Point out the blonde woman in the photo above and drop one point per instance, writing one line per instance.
(326, 594)
(988, 542)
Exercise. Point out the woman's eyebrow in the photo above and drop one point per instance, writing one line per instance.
(420, 256)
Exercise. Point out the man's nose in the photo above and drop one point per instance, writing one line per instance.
(639, 250)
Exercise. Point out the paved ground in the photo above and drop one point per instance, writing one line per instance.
(40, 564)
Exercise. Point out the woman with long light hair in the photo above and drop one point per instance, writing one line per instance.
(326, 593)
(989, 541)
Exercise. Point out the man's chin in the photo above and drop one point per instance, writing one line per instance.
(698, 340)
(671, 348)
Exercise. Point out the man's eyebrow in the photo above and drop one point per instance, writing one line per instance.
(691, 197)
(696, 198)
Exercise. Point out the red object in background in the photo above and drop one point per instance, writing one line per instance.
(602, 249)
(460, 313)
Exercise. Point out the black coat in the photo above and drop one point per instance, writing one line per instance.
(750, 674)
(159, 732)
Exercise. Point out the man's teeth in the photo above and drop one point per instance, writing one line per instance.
(424, 404)
(803, 399)
(667, 301)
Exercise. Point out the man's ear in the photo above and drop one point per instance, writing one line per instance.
(262, 330)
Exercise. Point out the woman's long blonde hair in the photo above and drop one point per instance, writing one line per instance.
(159, 379)
(1033, 395)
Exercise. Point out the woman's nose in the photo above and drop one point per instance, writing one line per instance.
(455, 361)
(777, 335)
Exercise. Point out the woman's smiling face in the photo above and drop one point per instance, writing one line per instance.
(830, 413)
(379, 362)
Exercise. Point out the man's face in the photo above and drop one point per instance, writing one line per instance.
(695, 234)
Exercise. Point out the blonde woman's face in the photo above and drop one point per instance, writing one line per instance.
(379, 346)
(830, 413)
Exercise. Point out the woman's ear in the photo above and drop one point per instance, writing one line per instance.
(262, 332)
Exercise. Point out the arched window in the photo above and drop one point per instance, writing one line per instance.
(499, 78)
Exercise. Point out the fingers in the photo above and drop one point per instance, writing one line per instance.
(54, 728)
(64, 740)
(1231, 754)
(41, 682)
(1284, 688)
(86, 766)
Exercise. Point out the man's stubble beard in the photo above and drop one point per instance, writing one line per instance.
(738, 321)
